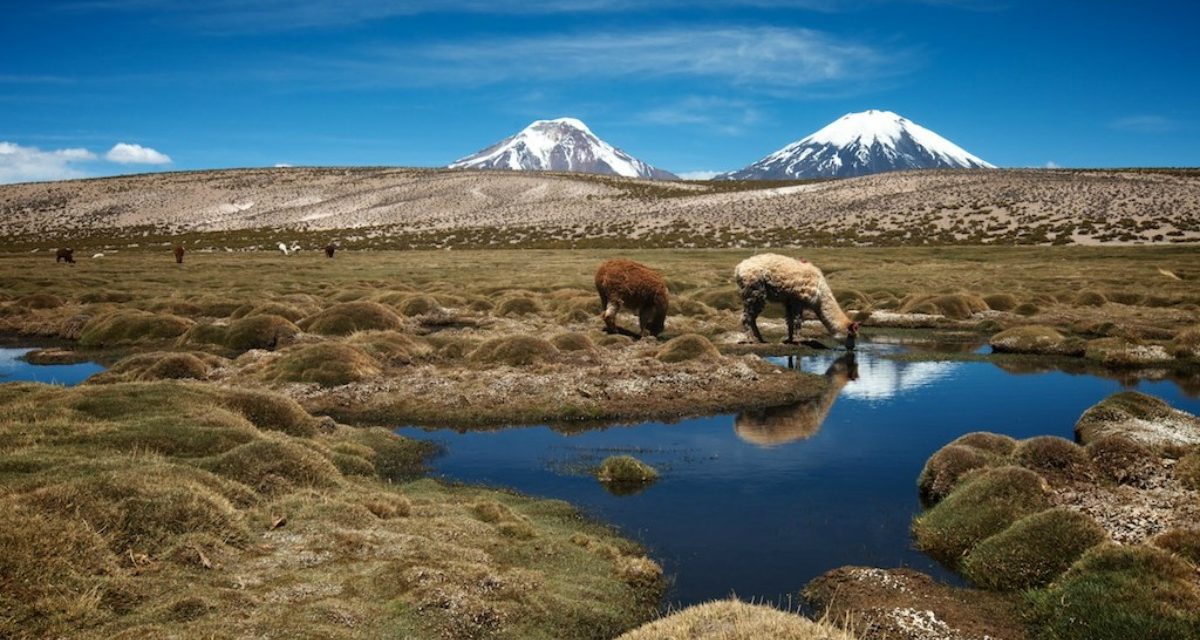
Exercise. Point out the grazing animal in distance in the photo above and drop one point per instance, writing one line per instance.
(97, 255)
(330, 249)
(65, 255)
(778, 425)
(630, 284)
(179, 254)
(283, 248)
(800, 286)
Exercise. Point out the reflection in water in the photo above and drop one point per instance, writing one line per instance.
(778, 425)
(878, 379)
(13, 369)
(1187, 382)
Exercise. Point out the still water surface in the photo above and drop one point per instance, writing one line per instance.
(13, 369)
(760, 504)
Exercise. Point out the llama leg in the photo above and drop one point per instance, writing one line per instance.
(645, 318)
(753, 302)
(792, 312)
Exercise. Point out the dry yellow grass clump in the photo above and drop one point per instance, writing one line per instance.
(736, 620)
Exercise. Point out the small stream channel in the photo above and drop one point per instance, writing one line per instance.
(759, 504)
(14, 369)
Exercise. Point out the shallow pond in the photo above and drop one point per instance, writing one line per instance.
(759, 504)
(13, 369)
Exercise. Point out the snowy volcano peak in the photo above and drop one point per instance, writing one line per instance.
(859, 144)
(562, 144)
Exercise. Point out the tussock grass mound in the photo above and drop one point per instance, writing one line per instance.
(292, 313)
(1090, 298)
(1115, 591)
(1033, 551)
(956, 306)
(1188, 471)
(720, 298)
(1027, 309)
(260, 332)
(1184, 543)
(687, 347)
(515, 351)
(1131, 298)
(981, 506)
(679, 306)
(1035, 339)
(996, 443)
(1186, 343)
(735, 620)
(104, 295)
(418, 305)
(1054, 456)
(944, 469)
(39, 301)
(329, 364)
(389, 347)
(1121, 459)
(852, 299)
(346, 318)
(272, 465)
(1140, 417)
(131, 327)
(517, 306)
(625, 470)
(159, 365)
(176, 366)
(1001, 301)
(572, 341)
(269, 411)
(1120, 352)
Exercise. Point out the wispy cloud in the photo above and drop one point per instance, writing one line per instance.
(126, 153)
(721, 115)
(766, 58)
(241, 16)
(699, 175)
(29, 164)
(1144, 124)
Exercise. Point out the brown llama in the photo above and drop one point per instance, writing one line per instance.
(330, 249)
(179, 250)
(65, 255)
(799, 285)
(636, 286)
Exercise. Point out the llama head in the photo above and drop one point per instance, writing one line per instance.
(852, 335)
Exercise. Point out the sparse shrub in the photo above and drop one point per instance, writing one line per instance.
(515, 351)
(571, 341)
(274, 465)
(1122, 460)
(1033, 551)
(687, 347)
(131, 327)
(328, 364)
(260, 332)
(1131, 591)
(517, 306)
(1052, 455)
(39, 301)
(346, 318)
(979, 507)
(625, 470)
(1001, 302)
(1090, 298)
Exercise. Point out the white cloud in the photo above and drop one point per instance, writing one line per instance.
(1144, 124)
(30, 164)
(767, 58)
(282, 165)
(699, 175)
(126, 153)
(1050, 164)
(720, 115)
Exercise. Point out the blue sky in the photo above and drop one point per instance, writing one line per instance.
(96, 87)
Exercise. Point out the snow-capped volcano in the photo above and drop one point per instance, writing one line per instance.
(858, 144)
(564, 144)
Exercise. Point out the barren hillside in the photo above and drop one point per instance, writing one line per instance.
(413, 207)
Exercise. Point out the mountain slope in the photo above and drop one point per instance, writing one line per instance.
(564, 144)
(859, 144)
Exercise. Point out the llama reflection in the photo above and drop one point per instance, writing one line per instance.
(800, 421)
